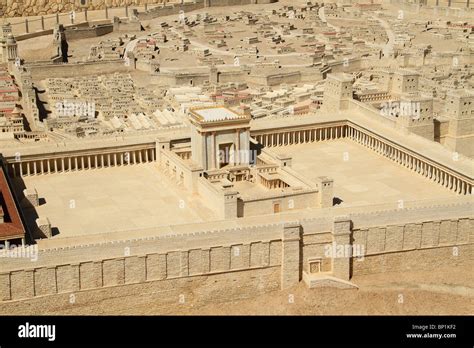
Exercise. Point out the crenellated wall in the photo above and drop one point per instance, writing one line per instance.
(273, 255)
(15, 8)
(116, 271)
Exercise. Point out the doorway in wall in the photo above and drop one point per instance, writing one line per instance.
(226, 154)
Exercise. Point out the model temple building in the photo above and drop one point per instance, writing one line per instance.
(223, 150)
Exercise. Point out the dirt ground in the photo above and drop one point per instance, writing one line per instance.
(442, 292)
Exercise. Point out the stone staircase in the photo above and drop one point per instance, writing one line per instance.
(326, 280)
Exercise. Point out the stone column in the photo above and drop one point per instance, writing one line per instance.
(213, 150)
(291, 255)
(342, 236)
(237, 146)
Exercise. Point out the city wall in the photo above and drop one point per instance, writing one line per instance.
(241, 262)
(167, 10)
(66, 70)
(14, 8)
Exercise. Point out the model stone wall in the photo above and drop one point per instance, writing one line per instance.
(15, 8)
(264, 204)
(281, 251)
(43, 71)
(430, 234)
(167, 294)
(87, 275)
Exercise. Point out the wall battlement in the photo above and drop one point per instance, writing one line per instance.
(290, 248)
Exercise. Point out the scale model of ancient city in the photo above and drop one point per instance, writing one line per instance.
(236, 157)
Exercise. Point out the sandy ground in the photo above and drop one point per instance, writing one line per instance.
(147, 198)
(360, 177)
(446, 292)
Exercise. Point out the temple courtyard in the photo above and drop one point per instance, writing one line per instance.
(114, 199)
(142, 196)
(361, 177)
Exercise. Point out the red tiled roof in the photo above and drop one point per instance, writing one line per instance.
(13, 227)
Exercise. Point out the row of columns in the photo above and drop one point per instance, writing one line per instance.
(6, 243)
(420, 166)
(82, 162)
(214, 163)
(413, 163)
(301, 136)
(273, 184)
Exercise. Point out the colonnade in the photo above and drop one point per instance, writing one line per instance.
(80, 161)
(419, 165)
(431, 170)
(301, 136)
(273, 184)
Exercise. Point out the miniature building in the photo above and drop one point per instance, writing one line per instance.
(337, 92)
(220, 137)
(59, 44)
(9, 49)
(416, 115)
(459, 111)
(405, 82)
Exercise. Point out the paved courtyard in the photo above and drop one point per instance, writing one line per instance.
(361, 176)
(115, 199)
